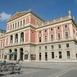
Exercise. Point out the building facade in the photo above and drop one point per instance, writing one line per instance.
(30, 38)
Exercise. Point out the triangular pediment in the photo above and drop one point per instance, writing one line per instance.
(17, 15)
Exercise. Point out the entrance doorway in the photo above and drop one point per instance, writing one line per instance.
(39, 56)
(15, 54)
(46, 56)
(21, 53)
(10, 55)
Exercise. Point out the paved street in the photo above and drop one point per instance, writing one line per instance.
(43, 69)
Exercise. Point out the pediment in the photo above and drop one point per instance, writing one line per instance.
(17, 15)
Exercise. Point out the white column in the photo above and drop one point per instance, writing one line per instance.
(42, 36)
(18, 37)
(48, 35)
(29, 35)
(43, 56)
(71, 30)
(62, 31)
(55, 33)
(13, 38)
(24, 37)
(49, 55)
(8, 40)
(18, 54)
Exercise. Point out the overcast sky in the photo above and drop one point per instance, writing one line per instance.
(46, 9)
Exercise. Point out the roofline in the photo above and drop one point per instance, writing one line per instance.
(25, 14)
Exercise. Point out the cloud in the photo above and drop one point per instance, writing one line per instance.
(4, 16)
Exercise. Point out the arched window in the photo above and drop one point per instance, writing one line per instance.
(22, 37)
(11, 39)
(10, 55)
(21, 53)
(16, 38)
(15, 54)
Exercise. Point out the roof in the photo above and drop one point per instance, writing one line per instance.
(19, 14)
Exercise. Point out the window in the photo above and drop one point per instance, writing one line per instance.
(45, 38)
(46, 56)
(58, 27)
(22, 37)
(11, 39)
(65, 26)
(66, 34)
(51, 37)
(59, 46)
(52, 47)
(23, 22)
(13, 25)
(20, 23)
(51, 29)
(58, 36)
(39, 48)
(39, 39)
(67, 45)
(76, 56)
(60, 54)
(52, 54)
(39, 31)
(16, 38)
(45, 30)
(68, 54)
(45, 47)
(39, 56)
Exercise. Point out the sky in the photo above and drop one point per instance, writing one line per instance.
(46, 9)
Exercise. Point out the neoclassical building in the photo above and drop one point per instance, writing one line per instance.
(30, 38)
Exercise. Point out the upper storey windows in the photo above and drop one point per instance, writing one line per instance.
(16, 25)
(58, 27)
(21, 22)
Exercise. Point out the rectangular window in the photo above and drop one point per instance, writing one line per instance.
(45, 30)
(51, 37)
(60, 55)
(59, 45)
(67, 45)
(39, 39)
(65, 26)
(23, 22)
(45, 47)
(20, 23)
(39, 48)
(58, 36)
(39, 31)
(68, 54)
(52, 54)
(39, 56)
(52, 47)
(66, 34)
(45, 38)
(46, 56)
(13, 25)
